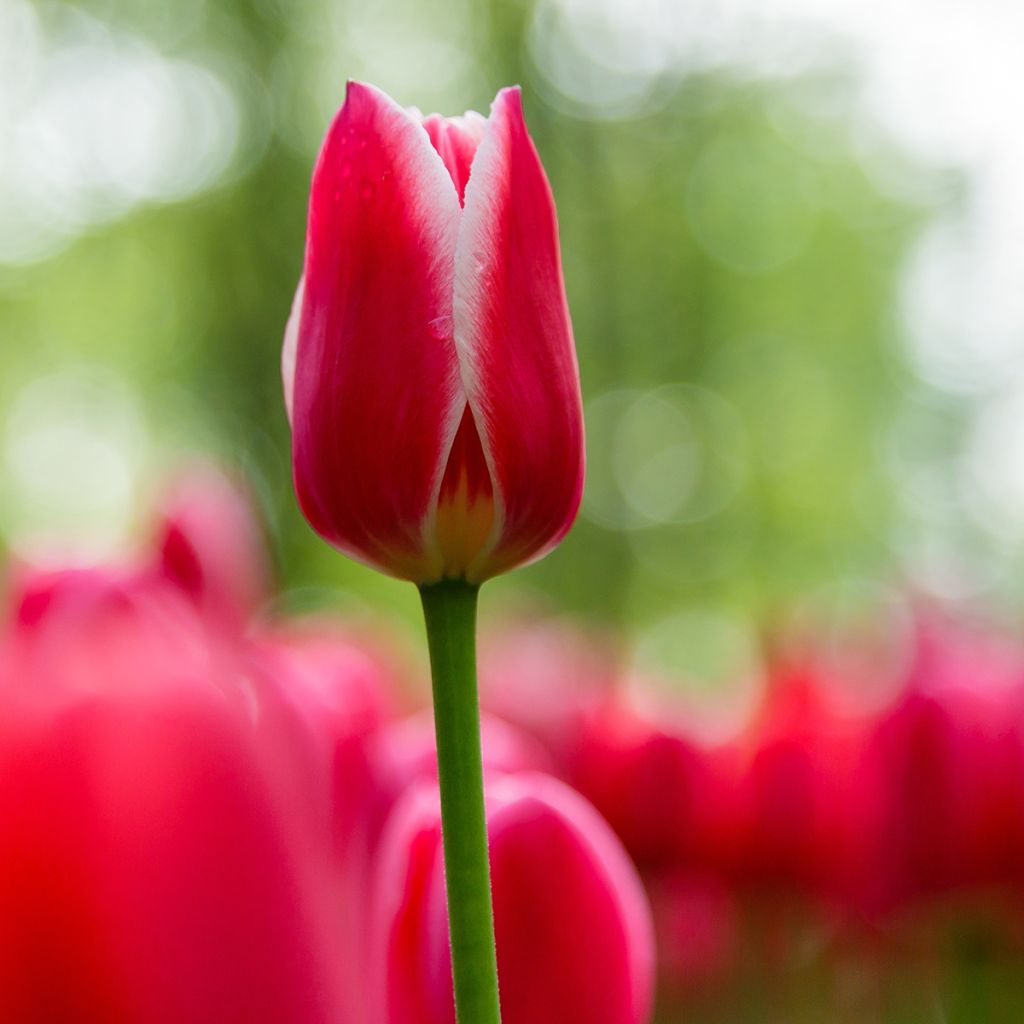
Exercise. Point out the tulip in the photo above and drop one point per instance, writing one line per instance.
(952, 816)
(343, 690)
(163, 857)
(429, 369)
(668, 795)
(574, 933)
(431, 383)
(805, 801)
(209, 545)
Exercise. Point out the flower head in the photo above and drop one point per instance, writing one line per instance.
(429, 368)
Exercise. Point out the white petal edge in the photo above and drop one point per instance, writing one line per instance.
(438, 212)
(290, 348)
(476, 237)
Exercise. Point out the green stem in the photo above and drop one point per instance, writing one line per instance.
(449, 608)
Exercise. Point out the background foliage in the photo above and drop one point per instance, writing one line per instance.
(743, 236)
(792, 232)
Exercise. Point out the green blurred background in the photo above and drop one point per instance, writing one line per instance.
(792, 242)
(793, 234)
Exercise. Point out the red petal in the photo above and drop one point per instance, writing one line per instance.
(377, 397)
(515, 345)
(465, 504)
(586, 917)
(572, 923)
(456, 140)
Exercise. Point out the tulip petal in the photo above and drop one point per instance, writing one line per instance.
(377, 397)
(572, 923)
(585, 897)
(515, 345)
(456, 140)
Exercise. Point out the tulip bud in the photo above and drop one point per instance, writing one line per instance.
(429, 368)
(573, 928)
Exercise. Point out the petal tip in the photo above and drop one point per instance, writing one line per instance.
(353, 89)
(360, 93)
(510, 99)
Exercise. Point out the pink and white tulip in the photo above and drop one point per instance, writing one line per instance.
(429, 368)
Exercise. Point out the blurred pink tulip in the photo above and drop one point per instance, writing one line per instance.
(669, 796)
(343, 689)
(429, 368)
(804, 802)
(209, 544)
(163, 856)
(572, 923)
(952, 817)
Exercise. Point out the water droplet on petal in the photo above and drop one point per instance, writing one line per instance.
(365, 189)
(346, 170)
